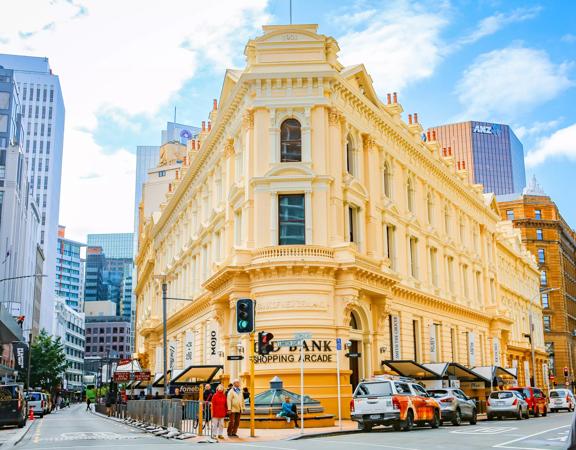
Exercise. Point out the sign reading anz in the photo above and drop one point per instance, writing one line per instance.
(487, 129)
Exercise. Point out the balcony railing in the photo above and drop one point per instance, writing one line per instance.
(293, 252)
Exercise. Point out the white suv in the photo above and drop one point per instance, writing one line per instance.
(389, 401)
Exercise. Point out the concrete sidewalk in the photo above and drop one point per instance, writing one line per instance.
(9, 437)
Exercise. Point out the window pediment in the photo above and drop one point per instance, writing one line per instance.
(290, 169)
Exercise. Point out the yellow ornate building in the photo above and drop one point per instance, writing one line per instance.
(315, 198)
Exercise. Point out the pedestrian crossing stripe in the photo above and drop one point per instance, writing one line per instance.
(484, 430)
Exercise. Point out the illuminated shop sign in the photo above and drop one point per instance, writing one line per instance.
(487, 129)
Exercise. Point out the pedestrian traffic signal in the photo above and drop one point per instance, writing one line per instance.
(245, 316)
(264, 342)
(566, 372)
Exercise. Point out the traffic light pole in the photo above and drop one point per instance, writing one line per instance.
(252, 393)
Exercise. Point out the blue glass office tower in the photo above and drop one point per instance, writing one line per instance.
(68, 277)
(490, 152)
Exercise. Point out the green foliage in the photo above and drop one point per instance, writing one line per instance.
(48, 362)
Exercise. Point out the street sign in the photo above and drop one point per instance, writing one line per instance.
(128, 376)
(288, 343)
(353, 355)
(122, 376)
(124, 361)
(235, 358)
(338, 344)
(302, 336)
(142, 376)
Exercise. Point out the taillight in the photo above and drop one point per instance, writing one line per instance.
(395, 403)
(447, 400)
(515, 402)
(567, 398)
(42, 404)
(19, 403)
(352, 405)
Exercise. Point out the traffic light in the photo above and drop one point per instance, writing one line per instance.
(264, 342)
(245, 315)
(566, 372)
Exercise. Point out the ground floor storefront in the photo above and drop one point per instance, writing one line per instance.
(374, 318)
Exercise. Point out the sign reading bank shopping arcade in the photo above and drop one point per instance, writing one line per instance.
(315, 352)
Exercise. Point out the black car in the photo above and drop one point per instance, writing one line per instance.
(12, 405)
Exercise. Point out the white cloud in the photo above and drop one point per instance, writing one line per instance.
(503, 83)
(399, 45)
(561, 143)
(121, 58)
(492, 24)
(570, 38)
(536, 129)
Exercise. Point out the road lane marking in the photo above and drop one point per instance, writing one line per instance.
(261, 446)
(484, 430)
(369, 444)
(506, 444)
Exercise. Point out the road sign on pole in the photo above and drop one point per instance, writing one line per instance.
(235, 358)
(338, 349)
(288, 343)
(302, 336)
(338, 343)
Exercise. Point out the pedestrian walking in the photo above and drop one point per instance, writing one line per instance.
(235, 405)
(88, 402)
(219, 409)
(245, 393)
(207, 397)
(228, 389)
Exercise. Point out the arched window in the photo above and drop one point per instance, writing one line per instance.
(410, 194)
(350, 156)
(387, 180)
(354, 321)
(290, 141)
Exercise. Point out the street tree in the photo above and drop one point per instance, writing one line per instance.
(48, 362)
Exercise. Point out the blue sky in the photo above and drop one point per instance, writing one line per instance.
(125, 65)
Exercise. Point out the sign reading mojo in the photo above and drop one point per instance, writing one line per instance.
(211, 343)
(189, 349)
(315, 351)
(395, 331)
(496, 349)
(433, 343)
(172, 349)
(20, 351)
(492, 128)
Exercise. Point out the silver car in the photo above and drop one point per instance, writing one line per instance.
(507, 404)
(455, 405)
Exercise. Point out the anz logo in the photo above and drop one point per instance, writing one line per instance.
(487, 129)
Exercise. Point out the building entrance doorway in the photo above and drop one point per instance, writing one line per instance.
(354, 365)
(355, 347)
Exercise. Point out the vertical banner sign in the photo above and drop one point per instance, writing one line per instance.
(527, 373)
(471, 349)
(172, 349)
(159, 362)
(396, 353)
(211, 344)
(189, 349)
(546, 376)
(20, 351)
(433, 343)
(496, 350)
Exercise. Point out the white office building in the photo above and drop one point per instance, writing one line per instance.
(43, 124)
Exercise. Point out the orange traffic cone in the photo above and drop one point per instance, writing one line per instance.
(30, 414)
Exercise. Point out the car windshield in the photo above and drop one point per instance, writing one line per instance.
(374, 389)
(34, 396)
(501, 395)
(526, 393)
(8, 393)
(438, 393)
(557, 394)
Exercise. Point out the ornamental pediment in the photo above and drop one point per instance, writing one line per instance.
(293, 33)
(286, 169)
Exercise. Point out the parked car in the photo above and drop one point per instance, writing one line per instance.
(12, 405)
(37, 403)
(510, 403)
(455, 405)
(400, 403)
(536, 399)
(561, 399)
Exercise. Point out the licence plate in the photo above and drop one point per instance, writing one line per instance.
(374, 416)
(558, 401)
(498, 403)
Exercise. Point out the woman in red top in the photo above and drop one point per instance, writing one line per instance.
(219, 406)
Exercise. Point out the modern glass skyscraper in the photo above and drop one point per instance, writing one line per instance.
(43, 123)
(68, 271)
(114, 245)
(490, 152)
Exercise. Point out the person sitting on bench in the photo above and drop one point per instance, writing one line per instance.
(289, 410)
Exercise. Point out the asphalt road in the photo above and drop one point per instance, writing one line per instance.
(74, 428)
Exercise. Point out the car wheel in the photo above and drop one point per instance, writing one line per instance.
(571, 409)
(527, 415)
(519, 414)
(474, 418)
(490, 417)
(545, 412)
(552, 410)
(436, 420)
(397, 426)
(363, 426)
(409, 422)
(457, 420)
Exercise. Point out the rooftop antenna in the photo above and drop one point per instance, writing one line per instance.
(290, 12)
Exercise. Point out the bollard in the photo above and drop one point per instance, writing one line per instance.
(31, 414)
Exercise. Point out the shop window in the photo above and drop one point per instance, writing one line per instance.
(290, 141)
